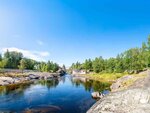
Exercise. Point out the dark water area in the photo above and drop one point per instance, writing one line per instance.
(64, 95)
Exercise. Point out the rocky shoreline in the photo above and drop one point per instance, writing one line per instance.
(31, 76)
(134, 99)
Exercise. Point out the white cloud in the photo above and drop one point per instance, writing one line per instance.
(39, 42)
(36, 55)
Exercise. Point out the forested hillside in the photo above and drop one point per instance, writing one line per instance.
(132, 60)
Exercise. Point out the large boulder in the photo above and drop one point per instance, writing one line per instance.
(136, 99)
(33, 76)
(2, 83)
(61, 72)
(43, 109)
(8, 80)
(129, 101)
(97, 95)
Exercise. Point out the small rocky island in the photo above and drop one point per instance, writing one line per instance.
(29, 76)
(134, 99)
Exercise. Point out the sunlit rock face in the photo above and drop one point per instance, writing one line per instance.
(130, 101)
(135, 99)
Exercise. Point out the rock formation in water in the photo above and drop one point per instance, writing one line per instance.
(29, 77)
(136, 99)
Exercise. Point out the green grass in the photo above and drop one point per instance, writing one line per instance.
(105, 77)
(111, 77)
(135, 78)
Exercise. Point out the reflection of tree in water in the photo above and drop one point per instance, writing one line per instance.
(100, 86)
(49, 83)
(92, 85)
(14, 88)
(63, 79)
(88, 86)
(19, 88)
(76, 83)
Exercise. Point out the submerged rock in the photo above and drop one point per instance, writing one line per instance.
(43, 109)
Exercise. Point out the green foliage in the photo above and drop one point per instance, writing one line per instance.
(132, 60)
(55, 67)
(15, 60)
(3, 63)
(110, 65)
(76, 65)
(0, 57)
(47, 67)
(98, 65)
(87, 65)
(23, 64)
(30, 63)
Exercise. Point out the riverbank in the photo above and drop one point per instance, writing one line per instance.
(130, 94)
(66, 93)
(113, 77)
(104, 77)
(16, 78)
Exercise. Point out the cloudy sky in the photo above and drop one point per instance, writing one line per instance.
(67, 31)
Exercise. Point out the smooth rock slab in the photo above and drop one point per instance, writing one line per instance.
(7, 79)
(119, 83)
(129, 101)
(2, 83)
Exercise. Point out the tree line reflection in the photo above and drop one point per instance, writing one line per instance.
(89, 85)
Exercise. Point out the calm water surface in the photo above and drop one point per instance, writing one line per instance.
(64, 95)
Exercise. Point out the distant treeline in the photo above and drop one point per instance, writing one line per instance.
(132, 60)
(15, 60)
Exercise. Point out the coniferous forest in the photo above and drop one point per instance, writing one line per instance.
(133, 60)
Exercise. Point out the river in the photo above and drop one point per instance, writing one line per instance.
(64, 95)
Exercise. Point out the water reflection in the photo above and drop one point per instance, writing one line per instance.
(90, 85)
(49, 83)
(18, 88)
(43, 109)
(66, 94)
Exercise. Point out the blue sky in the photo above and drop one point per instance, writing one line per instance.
(67, 31)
